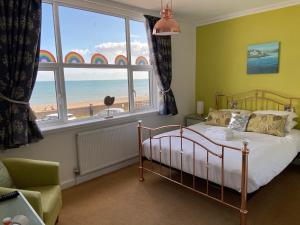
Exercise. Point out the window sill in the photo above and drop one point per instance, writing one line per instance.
(59, 126)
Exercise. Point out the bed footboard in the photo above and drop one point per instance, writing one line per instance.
(242, 208)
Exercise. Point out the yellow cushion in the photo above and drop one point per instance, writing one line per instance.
(218, 118)
(51, 202)
(267, 124)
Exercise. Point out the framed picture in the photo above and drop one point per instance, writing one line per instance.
(263, 58)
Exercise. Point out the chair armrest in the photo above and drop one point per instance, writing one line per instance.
(32, 173)
(33, 197)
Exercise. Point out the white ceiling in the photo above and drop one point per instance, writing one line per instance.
(205, 10)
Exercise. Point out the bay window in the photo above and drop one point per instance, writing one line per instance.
(87, 55)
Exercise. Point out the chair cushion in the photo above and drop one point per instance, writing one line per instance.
(5, 178)
(51, 202)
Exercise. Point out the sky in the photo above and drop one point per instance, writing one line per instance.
(87, 32)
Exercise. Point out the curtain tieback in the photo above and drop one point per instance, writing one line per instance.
(32, 116)
(165, 92)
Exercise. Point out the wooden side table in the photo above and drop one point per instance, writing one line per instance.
(193, 119)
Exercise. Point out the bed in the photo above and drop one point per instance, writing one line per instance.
(269, 155)
(245, 163)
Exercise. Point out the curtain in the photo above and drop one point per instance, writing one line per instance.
(20, 29)
(161, 59)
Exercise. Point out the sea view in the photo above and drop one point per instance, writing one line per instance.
(88, 90)
(267, 64)
(86, 95)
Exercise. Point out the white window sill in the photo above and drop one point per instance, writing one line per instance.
(60, 126)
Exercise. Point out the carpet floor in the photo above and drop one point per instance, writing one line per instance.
(120, 199)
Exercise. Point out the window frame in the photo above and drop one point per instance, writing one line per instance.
(59, 66)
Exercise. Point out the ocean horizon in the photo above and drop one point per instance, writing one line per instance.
(86, 90)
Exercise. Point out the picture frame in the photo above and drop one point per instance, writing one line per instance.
(263, 58)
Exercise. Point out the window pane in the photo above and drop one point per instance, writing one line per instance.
(48, 49)
(89, 37)
(43, 98)
(141, 83)
(139, 43)
(86, 89)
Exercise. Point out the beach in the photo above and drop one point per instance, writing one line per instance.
(82, 109)
(85, 98)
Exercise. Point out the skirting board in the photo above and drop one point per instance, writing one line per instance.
(83, 178)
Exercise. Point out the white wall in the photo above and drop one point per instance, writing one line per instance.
(60, 146)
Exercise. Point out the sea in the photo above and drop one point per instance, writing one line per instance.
(86, 90)
(267, 64)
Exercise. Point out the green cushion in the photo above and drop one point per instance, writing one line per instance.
(51, 202)
(5, 179)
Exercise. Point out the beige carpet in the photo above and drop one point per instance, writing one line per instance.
(119, 199)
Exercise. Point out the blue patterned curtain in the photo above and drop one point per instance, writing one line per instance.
(20, 29)
(161, 59)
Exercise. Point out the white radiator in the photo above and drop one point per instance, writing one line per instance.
(105, 147)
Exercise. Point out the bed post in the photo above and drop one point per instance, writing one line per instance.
(141, 165)
(244, 184)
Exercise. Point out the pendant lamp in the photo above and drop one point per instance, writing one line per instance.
(167, 25)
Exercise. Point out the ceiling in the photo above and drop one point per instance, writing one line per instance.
(204, 10)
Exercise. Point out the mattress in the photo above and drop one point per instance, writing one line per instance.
(268, 156)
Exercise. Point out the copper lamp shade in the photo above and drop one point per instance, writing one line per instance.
(167, 25)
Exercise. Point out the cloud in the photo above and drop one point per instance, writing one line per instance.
(111, 49)
(83, 52)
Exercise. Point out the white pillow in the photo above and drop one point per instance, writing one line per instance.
(290, 123)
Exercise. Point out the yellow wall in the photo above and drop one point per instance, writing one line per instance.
(221, 63)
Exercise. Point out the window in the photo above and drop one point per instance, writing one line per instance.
(87, 55)
(93, 36)
(139, 44)
(48, 47)
(43, 98)
(142, 87)
(86, 89)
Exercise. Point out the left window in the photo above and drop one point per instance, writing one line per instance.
(86, 55)
(44, 96)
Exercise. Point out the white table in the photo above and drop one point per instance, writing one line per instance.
(19, 206)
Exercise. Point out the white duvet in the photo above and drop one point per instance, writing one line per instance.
(269, 155)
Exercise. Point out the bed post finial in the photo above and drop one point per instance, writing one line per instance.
(245, 143)
(244, 184)
(141, 164)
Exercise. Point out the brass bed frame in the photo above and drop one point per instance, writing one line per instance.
(252, 100)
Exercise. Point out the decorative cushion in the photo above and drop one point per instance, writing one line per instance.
(267, 124)
(5, 179)
(290, 124)
(239, 122)
(218, 118)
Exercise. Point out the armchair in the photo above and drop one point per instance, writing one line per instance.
(39, 183)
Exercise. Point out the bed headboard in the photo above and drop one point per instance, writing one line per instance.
(258, 100)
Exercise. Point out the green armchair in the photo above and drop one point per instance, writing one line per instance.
(39, 183)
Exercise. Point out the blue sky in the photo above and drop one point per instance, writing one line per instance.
(88, 32)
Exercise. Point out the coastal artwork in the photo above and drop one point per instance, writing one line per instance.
(263, 58)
